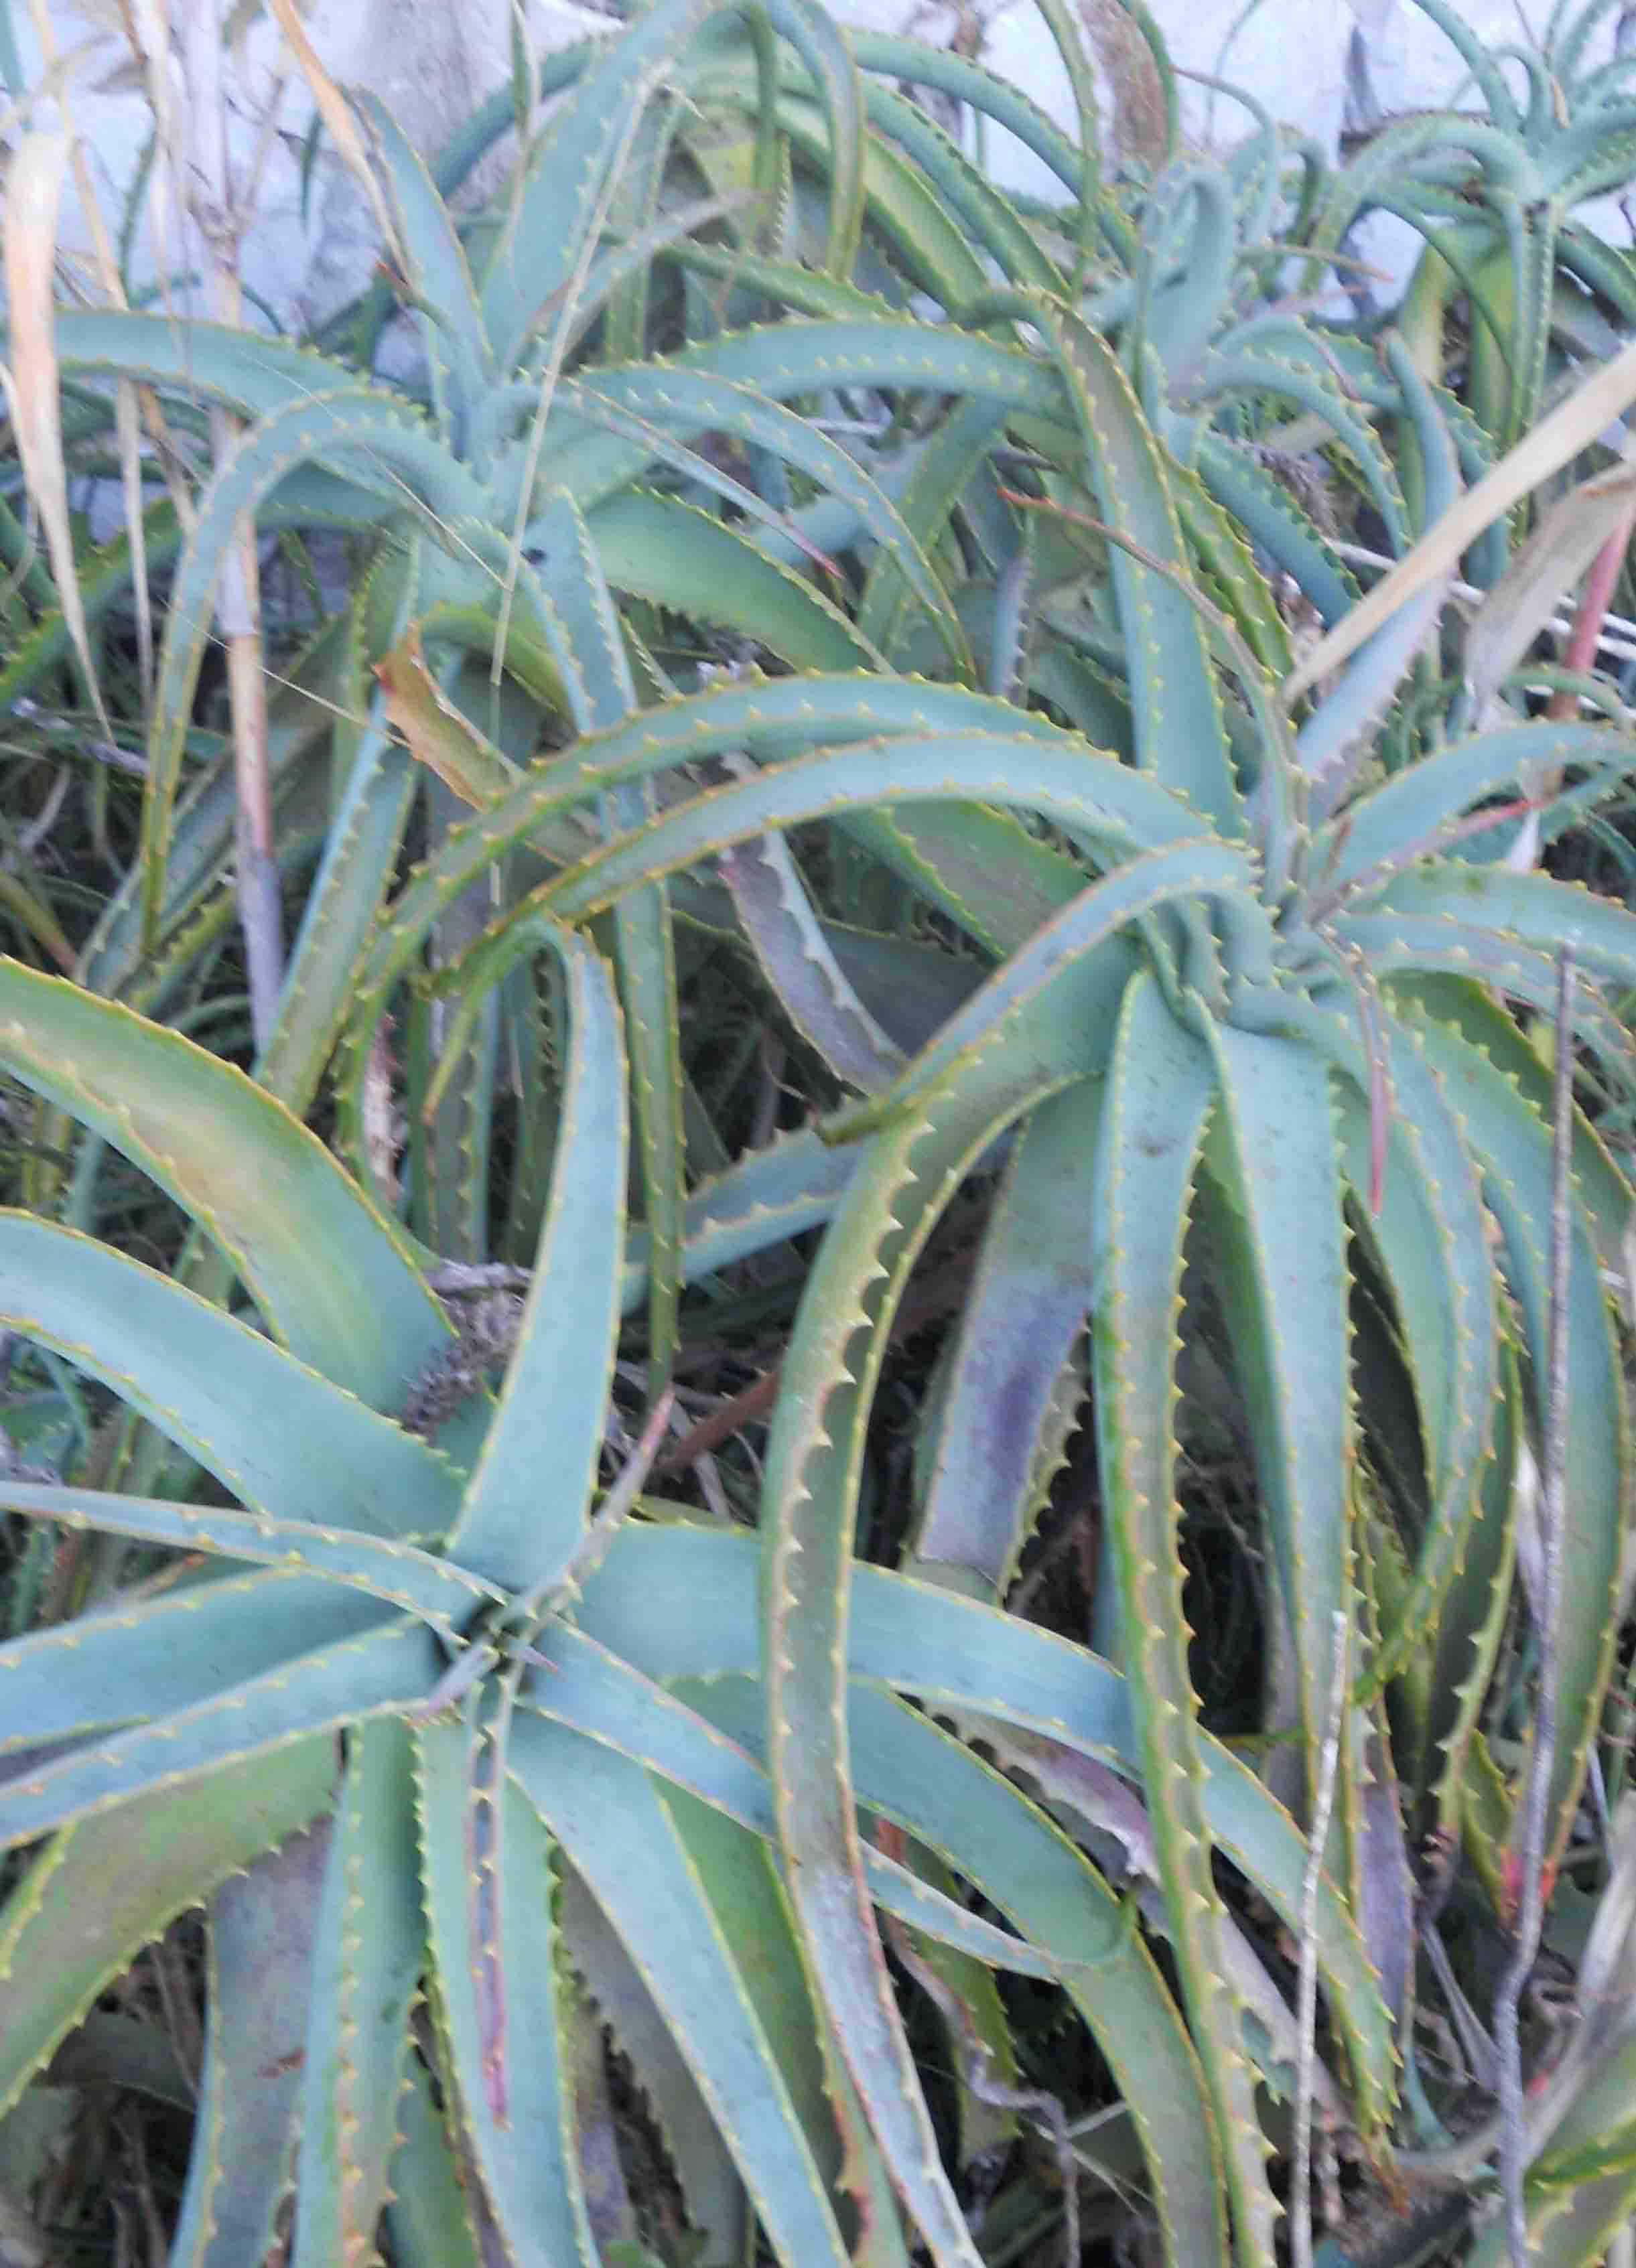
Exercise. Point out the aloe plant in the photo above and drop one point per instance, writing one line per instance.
(1493, 193)
(427, 1600)
(1223, 998)
(1279, 1030)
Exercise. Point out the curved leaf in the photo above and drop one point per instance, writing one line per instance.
(1283, 1269)
(1024, 1312)
(525, 2157)
(385, 449)
(924, 1639)
(99, 1892)
(281, 1438)
(1512, 1144)
(262, 1943)
(389, 1668)
(1403, 820)
(1160, 1092)
(141, 1659)
(657, 548)
(440, 1592)
(332, 1275)
(624, 1844)
(526, 1508)
(369, 1946)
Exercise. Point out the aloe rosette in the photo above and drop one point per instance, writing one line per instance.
(1492, 191)
(1273, 1017)
(169, 1737)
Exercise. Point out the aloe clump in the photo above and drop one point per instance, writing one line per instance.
(1203, 997)
(1280, 1034)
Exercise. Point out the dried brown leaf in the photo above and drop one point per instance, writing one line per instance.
(33, 203)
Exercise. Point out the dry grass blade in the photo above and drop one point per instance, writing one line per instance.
(339, 123)
(1569, 537)
(126, 395)
(48, 88)
(199, 168)
(32, 200)
(1571, 426)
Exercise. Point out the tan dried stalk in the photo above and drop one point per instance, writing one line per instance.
(197, 153)
(1137, 109)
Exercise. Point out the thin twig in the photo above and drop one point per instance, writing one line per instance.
(1306, 2002)
(1531, 1900)
(1591, 619)
(205, 188)
(1617, 637)
(943, 1290)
